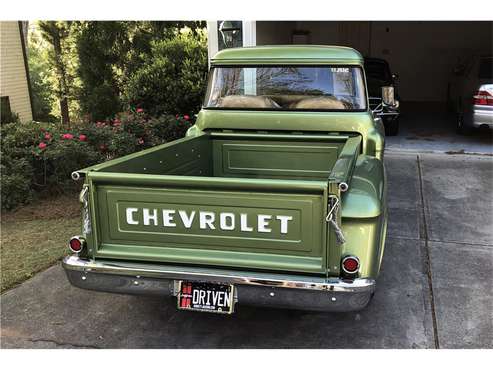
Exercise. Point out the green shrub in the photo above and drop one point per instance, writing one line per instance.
(100, 101)
(101, 50)
(54, 164)
(173, 77)
(166, 128)
(38, 158)
(16, 165)
(7, 116)
(109, 54)
(15, 182)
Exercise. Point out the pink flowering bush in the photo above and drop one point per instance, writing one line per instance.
(38, 158)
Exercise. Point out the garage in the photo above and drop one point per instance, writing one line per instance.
(430, 60)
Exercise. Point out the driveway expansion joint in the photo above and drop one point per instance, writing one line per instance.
(63, 343)
(404, 238)
(439, 241)
(424, 236)
(472, 244)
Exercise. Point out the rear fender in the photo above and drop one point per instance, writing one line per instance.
(364, 215)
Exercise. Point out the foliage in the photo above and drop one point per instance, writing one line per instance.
(7, 116)
(101, 49)
(40, 73)
(37, 158)
(111, 53)
(94, 68)
(15, 164)
(172, 77)
(142, 34)
(52, 63)
(57, 34)
(15, 182)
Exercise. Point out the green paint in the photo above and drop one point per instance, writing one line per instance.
(261, 180)
(292, 54)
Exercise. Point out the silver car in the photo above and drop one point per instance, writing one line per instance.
(475, 100)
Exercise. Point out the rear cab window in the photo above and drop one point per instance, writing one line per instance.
(327, 88)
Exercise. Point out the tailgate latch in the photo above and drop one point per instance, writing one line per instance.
(332, 218)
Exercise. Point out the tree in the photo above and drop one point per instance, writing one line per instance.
(102, 48)
(143, 33)
(110, 53)
(172, 77)
(40, 73)
(56, 33)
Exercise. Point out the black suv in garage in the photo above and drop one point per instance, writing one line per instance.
(378, 75)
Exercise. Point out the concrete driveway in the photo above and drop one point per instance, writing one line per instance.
(435, 289)
(435, 132)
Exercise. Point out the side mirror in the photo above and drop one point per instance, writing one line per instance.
(388, 97)
(395, 76)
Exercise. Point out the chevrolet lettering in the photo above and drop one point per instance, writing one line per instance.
(204, 220)
(276, 196)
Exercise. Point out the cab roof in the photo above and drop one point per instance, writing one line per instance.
(291, 54)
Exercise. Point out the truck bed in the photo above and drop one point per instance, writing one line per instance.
(295, 157)
(249, 199)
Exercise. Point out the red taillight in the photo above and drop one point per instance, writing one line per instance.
(76, 244)
(483, 97)
(350, 264)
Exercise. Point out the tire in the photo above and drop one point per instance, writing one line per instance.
(392, 127)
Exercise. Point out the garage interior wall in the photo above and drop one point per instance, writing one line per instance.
(422, 53)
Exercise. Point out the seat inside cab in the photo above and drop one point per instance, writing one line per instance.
(312, 102)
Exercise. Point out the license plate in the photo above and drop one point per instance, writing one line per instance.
(208, 297)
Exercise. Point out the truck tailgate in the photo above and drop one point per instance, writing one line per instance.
(244, 223)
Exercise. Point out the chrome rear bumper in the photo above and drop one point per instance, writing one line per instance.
(260, 289)
(482, 117)
(479, 116)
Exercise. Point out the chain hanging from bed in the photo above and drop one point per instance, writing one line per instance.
(332, 219)
(86, 218)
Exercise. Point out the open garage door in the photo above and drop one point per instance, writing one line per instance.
(432, 61)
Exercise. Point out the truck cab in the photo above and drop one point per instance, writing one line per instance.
(276, 196)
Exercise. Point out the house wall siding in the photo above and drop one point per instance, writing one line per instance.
(13, 79)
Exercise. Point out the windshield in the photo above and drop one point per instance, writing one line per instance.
(287, 88)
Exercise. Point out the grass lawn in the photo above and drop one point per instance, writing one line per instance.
(34, 237)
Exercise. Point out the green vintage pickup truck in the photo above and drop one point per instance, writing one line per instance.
(276, 196)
